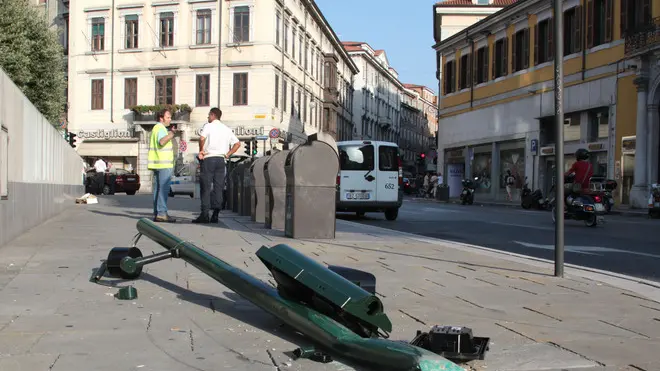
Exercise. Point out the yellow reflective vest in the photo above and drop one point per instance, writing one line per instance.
(160, 157)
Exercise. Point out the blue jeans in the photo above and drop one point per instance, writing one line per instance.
(161, 188)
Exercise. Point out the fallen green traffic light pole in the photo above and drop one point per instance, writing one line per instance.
(329, 307)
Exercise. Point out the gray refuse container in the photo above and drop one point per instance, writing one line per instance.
(237, 180)
(246, 191)
(275, 190)
(230, 189)
(442, 193)
(311, 176)
(258, 202)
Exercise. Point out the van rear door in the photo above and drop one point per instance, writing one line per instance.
(356, 167)
(387, 174)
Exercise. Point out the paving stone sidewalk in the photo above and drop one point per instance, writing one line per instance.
(53, 318)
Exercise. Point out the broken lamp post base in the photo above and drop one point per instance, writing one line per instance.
(335, 307)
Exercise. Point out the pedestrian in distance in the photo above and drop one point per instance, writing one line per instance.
(509, 181)
(161, 163)
(217, 143)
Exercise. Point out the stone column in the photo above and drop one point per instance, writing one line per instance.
(639, 192)
(468, 163)
(495, 171)
(653, 142)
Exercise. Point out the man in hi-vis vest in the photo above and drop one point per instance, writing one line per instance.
(161, 163)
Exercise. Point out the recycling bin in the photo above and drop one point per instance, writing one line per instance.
(258, 202)
(275, 190)
(311, 175)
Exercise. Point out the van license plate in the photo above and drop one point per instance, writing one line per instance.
(130, 179)
(358, 196)
(599, 207)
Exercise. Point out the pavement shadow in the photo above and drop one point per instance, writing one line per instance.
(128, 214)
(244, 311)
(234, 306)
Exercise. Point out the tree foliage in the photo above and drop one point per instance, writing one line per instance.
(31, 54)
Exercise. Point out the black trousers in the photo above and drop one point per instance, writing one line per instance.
(211, 183)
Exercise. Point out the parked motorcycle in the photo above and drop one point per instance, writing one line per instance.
(585, 207)
(467, 195)
(529, 199)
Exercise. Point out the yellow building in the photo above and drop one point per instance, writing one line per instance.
(496, 105)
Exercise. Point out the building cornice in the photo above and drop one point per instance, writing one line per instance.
(472, 10)
(504, 16)
(373, 61)
(316, 12)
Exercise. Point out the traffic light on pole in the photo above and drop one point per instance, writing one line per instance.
(72, 140)
(254, 148)
(248, 148)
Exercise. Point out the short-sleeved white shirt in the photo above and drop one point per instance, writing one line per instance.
(219, 139)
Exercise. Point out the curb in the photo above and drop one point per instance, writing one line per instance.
(626, 213)
(640, 286)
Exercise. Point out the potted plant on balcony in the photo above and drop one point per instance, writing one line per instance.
(148, 112)
(182, 112)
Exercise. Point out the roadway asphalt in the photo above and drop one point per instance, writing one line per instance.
(623, 245)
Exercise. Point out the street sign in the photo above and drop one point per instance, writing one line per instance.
(534, 147)
(274, 133)
(183, 146)
(261, 137)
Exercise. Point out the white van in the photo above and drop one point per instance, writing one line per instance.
(370, 177)
(183, 181)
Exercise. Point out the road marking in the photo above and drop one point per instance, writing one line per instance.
(589, 250)
(523, 226)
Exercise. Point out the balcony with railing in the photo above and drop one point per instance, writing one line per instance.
(643, 38)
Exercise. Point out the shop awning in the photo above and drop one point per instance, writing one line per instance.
(108, 149)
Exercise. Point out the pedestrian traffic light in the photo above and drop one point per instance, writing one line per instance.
(72, 140)
(248, 148)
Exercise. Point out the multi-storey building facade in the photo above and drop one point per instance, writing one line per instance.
(270, 64)
(640, 159)
(414, 130)
(429, 104)
(453, 16)
(378, 94)
(56, 13)
(496, 106)
(419, 117)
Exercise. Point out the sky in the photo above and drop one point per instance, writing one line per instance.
(404, 29)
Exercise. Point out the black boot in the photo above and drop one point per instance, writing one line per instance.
(203, 218)
(214, 217)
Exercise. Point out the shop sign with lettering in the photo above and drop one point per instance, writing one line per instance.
(105, 134)
(242, 131)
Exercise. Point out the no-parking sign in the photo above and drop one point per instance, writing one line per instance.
(274, 133)
(183, 146)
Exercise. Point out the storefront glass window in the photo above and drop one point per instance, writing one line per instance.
(481, 166)
(514, 160)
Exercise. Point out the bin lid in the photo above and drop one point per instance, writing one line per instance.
(314, 164)
(257, 170)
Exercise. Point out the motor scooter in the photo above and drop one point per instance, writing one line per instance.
(586, 207)
(529, 199)
(467, 195)
(606, 188)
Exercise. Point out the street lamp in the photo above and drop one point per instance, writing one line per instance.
(559, 146)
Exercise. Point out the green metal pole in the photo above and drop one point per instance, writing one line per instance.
(333, 337)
